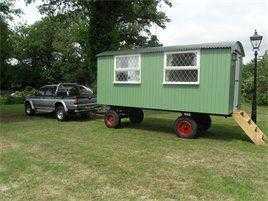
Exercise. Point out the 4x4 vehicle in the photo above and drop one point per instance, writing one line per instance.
(64, 99)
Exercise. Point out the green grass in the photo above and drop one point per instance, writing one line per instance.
(42, 159)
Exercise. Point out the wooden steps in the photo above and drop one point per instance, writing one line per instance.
(250, 128)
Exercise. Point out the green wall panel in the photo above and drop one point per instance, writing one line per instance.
(212, 95)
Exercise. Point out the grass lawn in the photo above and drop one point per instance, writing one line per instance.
(43, 159)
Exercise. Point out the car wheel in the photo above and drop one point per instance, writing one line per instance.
(28, 109)
(61, 114)
(185, 127)
(136, 116)
(112, 119)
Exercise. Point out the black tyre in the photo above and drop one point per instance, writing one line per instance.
(136, 116)
(112, 119)
(185, 127)
(61, 114)
(28, 109)
(203, 121)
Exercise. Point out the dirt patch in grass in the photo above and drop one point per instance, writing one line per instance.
(4, 146)
(11, 117)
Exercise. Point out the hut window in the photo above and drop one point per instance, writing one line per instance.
(182, 67)
(127, 69)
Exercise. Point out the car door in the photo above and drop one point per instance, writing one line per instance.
(37, 99)
(50, 98)
(47, 100)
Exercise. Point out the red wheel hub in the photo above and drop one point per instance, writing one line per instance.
(184, 128)
(110, 120)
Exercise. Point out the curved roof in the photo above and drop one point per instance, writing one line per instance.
(235, 46)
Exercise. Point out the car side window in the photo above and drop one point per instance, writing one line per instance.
(61, 92)
(50, 91)
(41, 91)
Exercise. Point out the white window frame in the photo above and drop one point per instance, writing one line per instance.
(127, 69)
(197, 67)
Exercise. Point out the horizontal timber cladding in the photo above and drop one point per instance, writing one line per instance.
(211, 95)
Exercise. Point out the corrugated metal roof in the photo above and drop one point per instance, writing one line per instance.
(235, 46)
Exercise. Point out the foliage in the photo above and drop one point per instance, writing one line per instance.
(28, 91)
(7, 12)
(62, 47)
(17, 96)
(5, 53)
(50, 51)
(113, 24)
(9, 100)
(262, 84)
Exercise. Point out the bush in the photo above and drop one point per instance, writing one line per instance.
(262, 84)
(17, 97)
(9, 100)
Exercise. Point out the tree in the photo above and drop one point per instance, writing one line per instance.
(51, 51)
(6, 71)
(7, 10)
(62, 47)
(262, 85)
(113, 24)
(5, 49)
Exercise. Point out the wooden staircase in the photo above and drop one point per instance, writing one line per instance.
(250, 128)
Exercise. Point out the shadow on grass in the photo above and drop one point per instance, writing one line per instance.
(13, 117)
(152, 124)
(226, 132)
(21, 117)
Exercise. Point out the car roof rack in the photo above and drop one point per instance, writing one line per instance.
(63, 83)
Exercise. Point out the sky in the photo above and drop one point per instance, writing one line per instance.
(198, 21)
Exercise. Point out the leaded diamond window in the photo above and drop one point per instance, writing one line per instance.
(182, 75)
(182, 68)
(127, 69)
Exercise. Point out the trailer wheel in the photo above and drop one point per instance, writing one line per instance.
(185, 127)
(112, 119)
(203, 121)
(136, 116)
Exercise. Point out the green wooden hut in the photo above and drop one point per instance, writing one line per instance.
(197, 80)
